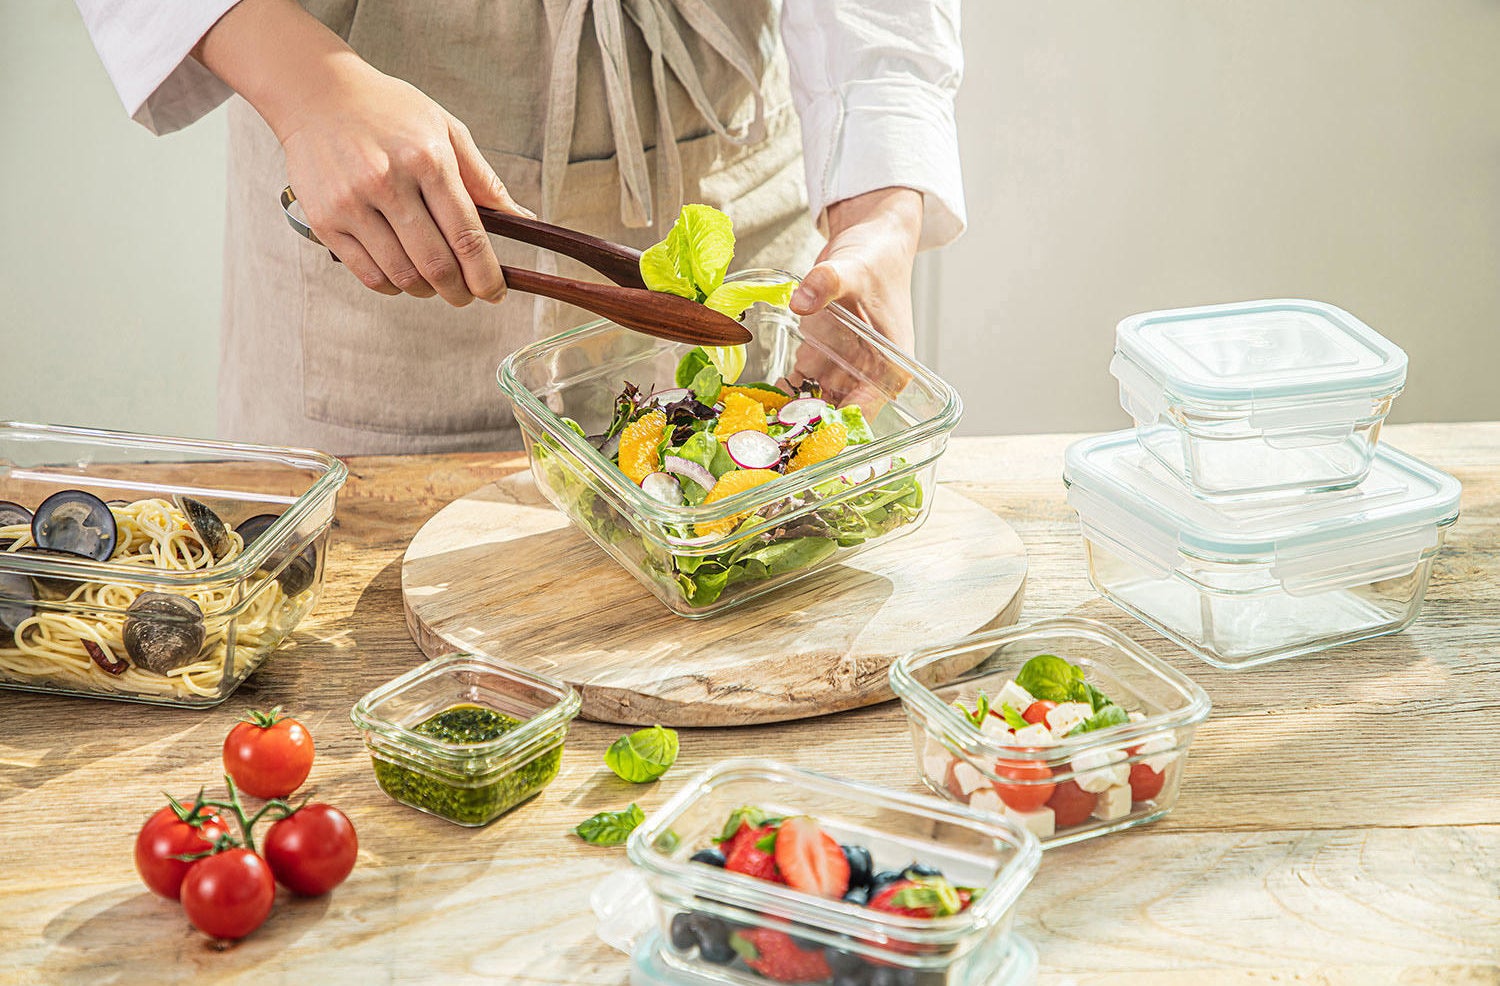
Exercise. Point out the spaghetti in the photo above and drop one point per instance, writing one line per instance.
(53, 643)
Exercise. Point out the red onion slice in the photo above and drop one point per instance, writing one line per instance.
(753, 449)
(688, 469)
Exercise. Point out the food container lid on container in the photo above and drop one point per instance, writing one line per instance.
(1265, 354)
(1378, 529)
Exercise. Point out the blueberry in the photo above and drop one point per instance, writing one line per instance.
(845, 963)
(891, 976)
(858, 895)
(713, 939)
(884, 877)
(922, 869)
(683, 935)
(860, 865)
(850, 979)
(708, 857)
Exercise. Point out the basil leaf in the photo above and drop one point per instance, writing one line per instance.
(981, 709)
(746, 815)
(692, 361)
(610, 828)
(706, 384)
(1013, 719)
(1051, 678)
(1110, 715)
(643, 755)
(733, 298)
(767, 842)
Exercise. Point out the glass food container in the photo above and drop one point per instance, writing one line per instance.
(1066, 790)
(66, 620)
(466, 738)
(1242, 583)
(781, 531)
(990, 854)
(1259, 397)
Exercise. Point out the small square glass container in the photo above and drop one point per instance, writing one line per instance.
(1242, 583)
(469, 784)
(1080, 787)
(972, 850)
(886, 484)
(1259, 397)
(64, 618)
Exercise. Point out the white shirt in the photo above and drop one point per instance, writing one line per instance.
(873, 82)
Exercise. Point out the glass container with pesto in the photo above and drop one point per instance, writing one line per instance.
(466, 738)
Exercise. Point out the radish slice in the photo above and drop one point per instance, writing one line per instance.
(670, 396)
(802, 411)
(688, 469)
(794, 432)
(660, 486)
(859, 474)
(753, 449)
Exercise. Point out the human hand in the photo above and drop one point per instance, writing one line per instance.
(388, 179)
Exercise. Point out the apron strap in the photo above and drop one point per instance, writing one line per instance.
(660, 30)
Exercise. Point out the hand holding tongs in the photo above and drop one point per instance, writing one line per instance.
(626, 302)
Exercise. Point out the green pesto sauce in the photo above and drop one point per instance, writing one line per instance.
(466, 805)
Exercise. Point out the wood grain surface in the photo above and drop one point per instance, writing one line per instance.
(1339, 822)
(501, 572)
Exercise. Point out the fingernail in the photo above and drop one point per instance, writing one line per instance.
(803, 299)
(523, 210)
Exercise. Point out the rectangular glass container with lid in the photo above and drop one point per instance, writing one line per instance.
(1258, 397)
(1241, 583)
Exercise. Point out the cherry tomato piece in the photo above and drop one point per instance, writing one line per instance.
(268, 756)
(312, 850)
(163, 838)
(1071, 804)
(1036, 712)
(1029, 792)
(1145, 783)
(228, 894)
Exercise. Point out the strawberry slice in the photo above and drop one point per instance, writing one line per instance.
(748, 858)
(810, 859)
(774, 955)
(921, 897)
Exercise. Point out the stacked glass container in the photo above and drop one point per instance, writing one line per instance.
(1252, 514)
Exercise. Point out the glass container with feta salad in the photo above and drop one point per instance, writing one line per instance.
(1064, 726)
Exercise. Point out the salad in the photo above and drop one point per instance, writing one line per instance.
(1047, 703)
(797, 853)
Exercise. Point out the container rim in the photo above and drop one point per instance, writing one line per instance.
(606, 473)
(563, 710)
(1194, 709)
(838, 916)
(252, 560)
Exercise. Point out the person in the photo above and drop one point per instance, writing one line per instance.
(392, 119)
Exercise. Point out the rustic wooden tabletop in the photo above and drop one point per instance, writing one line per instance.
(1339, 821)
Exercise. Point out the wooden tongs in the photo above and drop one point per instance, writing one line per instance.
(626, 302)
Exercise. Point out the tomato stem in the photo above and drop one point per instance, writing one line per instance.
(265, 720)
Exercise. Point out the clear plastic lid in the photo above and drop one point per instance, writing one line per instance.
(1381, 526)
(1261, 351)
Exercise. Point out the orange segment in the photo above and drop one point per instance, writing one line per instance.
(638, 454)
(829, 440)
(768, 399)
(728, 485)
(741, 413)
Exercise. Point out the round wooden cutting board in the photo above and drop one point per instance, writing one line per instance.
(501, 572)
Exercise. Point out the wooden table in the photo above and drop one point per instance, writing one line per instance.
(1339, 822)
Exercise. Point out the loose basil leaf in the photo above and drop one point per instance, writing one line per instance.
(610, 828)
(692, 361)
(733, 298)
(643, 755)
(1013, 719)
(1110, 715)
(1052, 679)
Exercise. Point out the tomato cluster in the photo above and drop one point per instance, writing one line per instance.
(227, 887)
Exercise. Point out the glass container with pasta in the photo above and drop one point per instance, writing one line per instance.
(153, 569)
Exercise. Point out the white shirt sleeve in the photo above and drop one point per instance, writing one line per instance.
(146, 48)
(874, 82)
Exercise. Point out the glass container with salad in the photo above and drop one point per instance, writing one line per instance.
(1063, 726)
(715, 476)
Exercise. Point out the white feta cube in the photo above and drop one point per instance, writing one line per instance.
(987, 800)
(1097, 771)
(935, 765)
(1113, 803)
(1041, 823)
(1158, 750)
(1034, 735)
(1137, 716)
(997, 730)
(968, 778)
(1066, 716)
(1015, 696)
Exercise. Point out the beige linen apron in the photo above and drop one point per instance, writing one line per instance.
(581, 108)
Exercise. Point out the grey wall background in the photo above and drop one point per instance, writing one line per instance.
(1119, 158)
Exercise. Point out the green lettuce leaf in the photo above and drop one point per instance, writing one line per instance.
(706, 384)
(706, 241)
(664, 267)
(733, 298)
(981, 709)
(610, 828)
(854, 420)
(692, 361)
(643, 755)
(1013, 719)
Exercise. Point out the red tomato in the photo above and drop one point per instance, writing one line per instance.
(1071, 804)
(312, 850)
(268, 755)
(1145, 783)
(228, 894)
(164, 837)
(1023, 796)
(1036, 712)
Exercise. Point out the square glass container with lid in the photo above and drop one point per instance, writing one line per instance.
(464, 737)
(1258, 397)
(1062, 786)
(992, 856)
(1241, 583)
(702, 560)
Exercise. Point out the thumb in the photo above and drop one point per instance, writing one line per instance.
(822, 285)
(480, 180)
